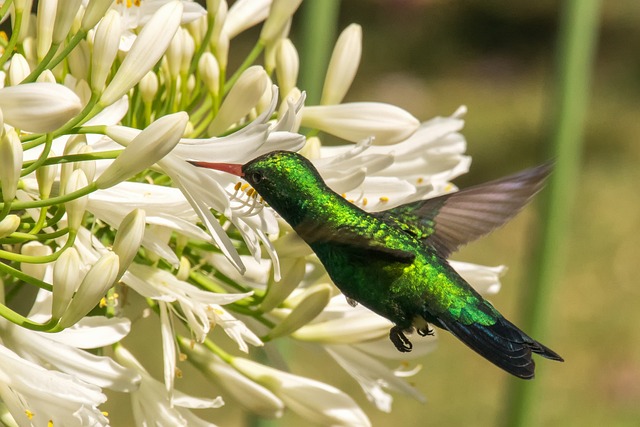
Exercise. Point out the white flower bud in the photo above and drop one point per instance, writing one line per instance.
(148, 87)
(313, 301)
(18, 69)
(65, 14)
(10, 164)
(148, 48)
(67, 276)
(292, 272)
(8, 225)
(174, 53)
(128, 239)
(79, 59)
(279, 14)
(45, 20)
(151, 145)
(95, 284)
(95, 11)
(343, 65)
(244, 14)
(188, 50)
(183, 269)
(25, 6)
(76, 207)
(38, 107)
(287, 66)
(73, 146)
(243, 96)
(357, 121)
(87, 166)
(46, 77)
(105, 49)
(46, 176)
(35, 249)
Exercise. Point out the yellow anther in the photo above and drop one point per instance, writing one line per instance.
(50, 423)
(4, 36)
(178, 373)
(105, 413)
(244, 186)
(182, 357)
(250, 192)
(344, 195)
(448, 187)
(351, 201)
(237, 186)
(29, 414)
(384, 199)
(420, 180)
(103, 302)
(364, 201)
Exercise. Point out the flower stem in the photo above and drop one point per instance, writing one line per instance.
(20, 320)
(320, 21)
(8, 51)
(578, 34)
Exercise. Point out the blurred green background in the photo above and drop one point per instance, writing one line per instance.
(498, 59)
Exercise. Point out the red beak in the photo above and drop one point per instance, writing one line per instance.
(224, 167)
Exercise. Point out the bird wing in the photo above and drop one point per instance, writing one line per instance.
(359, 243)
(452, 220)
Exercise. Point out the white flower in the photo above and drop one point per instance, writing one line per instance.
(357, 121)
(148, 48)
(244, 14)
(313, 400)
(154, 406)
(35, 395)
(47, 349)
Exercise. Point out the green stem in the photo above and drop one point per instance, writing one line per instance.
(14, 35)
(320, 18)
(578, 35)
(12, 256)
(43, 156)
(20, 320)
(249, 60)
(18, 274)
(203, 46)
(42, 65)
(55, 200)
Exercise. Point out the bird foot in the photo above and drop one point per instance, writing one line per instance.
(423, 332)
(400, 340)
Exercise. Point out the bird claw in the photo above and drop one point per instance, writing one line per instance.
(423, 332)
(400, 340)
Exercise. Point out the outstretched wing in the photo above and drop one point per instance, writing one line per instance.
(452, 220)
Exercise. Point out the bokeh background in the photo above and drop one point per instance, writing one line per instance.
(498, 59)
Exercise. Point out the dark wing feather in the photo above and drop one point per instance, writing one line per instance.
(452, 220)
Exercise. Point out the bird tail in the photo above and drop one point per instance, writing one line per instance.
(503, 344)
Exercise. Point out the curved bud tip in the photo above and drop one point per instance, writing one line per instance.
(231, 168)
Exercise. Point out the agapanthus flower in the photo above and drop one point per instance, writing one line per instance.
(104, 106)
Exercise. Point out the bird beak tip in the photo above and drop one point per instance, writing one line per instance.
(231, 168)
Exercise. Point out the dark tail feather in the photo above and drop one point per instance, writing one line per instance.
(503, 344)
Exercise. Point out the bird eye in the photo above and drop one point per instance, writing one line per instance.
(256, 177)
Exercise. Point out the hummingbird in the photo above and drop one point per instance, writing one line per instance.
(394, 262)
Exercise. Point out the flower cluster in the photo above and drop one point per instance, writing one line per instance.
(102, 106)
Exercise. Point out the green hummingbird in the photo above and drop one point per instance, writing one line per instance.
(394, 262)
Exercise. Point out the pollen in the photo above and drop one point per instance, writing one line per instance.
(178, 373)
(244, 186)
(384, 199)
(365, 201)
(50, 423)
(344, 195)
(237, 186)
(251, 192)
(103, 302)
(29, 414)
(420, 180)
(182, 357)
